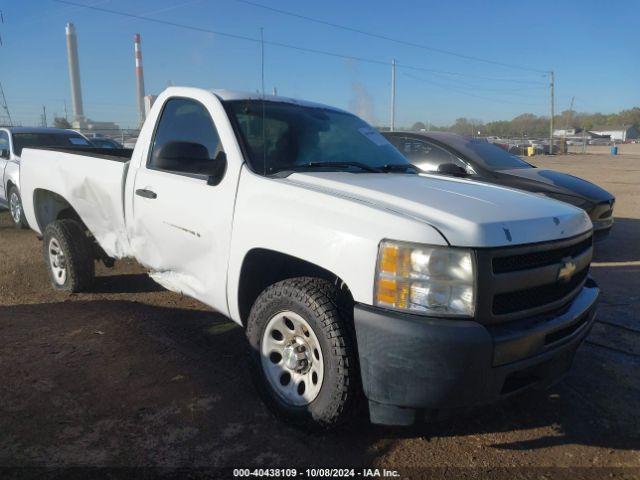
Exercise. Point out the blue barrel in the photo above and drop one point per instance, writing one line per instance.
(614, 150)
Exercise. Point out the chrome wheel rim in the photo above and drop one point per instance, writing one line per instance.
(57, 262)
(292, 358)
(14, 206)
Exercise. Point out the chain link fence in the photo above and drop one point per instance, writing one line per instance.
(124, 136)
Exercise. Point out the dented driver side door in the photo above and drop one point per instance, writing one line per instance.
(182, 224)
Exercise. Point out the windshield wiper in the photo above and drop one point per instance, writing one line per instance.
(399, 167)
(361, 166)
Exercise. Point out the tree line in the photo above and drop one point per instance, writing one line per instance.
(528, 124)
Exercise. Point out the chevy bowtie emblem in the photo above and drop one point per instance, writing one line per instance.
(567, 270)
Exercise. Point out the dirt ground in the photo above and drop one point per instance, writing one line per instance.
(133, 375)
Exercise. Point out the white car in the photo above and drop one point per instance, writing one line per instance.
(353, 273)
(12, 141)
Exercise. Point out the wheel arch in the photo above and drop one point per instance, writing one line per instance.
(262, 267)
(12, 176)
(49, 206)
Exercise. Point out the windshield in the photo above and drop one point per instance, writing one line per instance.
(494, 157)
(297, 137)
(27, 140)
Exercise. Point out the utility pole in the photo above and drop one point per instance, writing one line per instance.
(393, 96)
(44, 116)
(551, 87)
(570, 119)
(4, 106)
(567, 125)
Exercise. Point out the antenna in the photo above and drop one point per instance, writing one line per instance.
(392, 119)
(262, 59)
(264, 136)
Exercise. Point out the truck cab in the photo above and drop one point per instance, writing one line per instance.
(354, 274)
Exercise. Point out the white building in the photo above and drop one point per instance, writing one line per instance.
(565, 132)
(86, 125)
(615, 132)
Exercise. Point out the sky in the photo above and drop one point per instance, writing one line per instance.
(591, 47)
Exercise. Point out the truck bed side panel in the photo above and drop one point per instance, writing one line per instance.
(91, 185)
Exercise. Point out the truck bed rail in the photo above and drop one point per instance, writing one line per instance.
(115, 154)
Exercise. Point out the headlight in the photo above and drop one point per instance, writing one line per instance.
(570, 199)
(424, 279)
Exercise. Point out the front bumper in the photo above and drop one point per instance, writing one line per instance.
(413, 366)
(601, 229)
(601, 216)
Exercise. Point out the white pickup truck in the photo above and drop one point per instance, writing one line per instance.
(353, 273)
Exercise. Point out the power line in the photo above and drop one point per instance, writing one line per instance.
(537, 86)
(289, 46)
(463, 92)
(388, 38)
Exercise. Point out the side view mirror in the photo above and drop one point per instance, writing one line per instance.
(191, 158)
(452, 169)
(4, 153)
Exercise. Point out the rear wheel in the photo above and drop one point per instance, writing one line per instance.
(15, 207)
(69, 256)
(302, 354)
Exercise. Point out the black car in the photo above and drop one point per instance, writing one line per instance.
(453, 154)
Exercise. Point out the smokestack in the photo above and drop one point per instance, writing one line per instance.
(74, 72)
(139, 78)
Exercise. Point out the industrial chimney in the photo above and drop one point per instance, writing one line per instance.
(139, 78)
(74, 72)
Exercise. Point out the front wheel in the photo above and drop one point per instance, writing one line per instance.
(302, 354)
(68, 254)
(15, 207)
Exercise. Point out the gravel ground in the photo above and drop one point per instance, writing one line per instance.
(133, 375)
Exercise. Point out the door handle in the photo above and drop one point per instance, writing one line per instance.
(141, 192)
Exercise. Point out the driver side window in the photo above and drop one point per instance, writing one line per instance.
(185, 120)
(4, 145)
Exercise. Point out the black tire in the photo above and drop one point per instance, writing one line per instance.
(22, 221)
(330, 316)
(78, 255)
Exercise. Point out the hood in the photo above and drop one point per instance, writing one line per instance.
(466, 213)
(541, 180)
